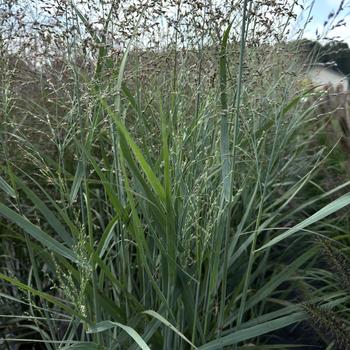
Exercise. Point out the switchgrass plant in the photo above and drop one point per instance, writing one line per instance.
(174, 214)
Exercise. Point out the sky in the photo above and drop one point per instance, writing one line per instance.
(320, 12)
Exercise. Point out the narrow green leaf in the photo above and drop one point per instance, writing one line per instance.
(253, 332)
(131, 99)
(137, 231)
(14, 282)
(47, 213)
(171, 237)
(78, 178)
(276, 280)
(106, 237)
(152, 198)
(152, 178)
(7, 188)
(329, 209)
(37, 233)
(105, 325)
(168, 324)
(224, 141)
(112, 196)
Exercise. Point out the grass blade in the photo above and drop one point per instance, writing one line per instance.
(253, 332)
(329, 209)
(38, 234)
(168, 324)
(7, 188)
(106, 325)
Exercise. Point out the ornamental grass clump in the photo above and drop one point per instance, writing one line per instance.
(171, 202)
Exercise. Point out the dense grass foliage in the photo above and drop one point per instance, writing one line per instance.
(170, 199)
